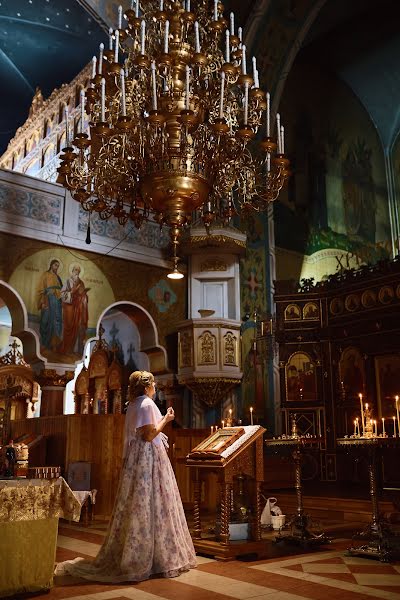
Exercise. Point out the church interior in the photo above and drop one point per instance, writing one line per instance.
(160, 211)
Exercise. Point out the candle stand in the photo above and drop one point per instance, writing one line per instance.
(300, 522)
(377, 540)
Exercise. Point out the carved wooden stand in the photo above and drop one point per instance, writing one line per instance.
(247, 460)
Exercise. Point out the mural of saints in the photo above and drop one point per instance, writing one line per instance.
(75, 312)
(50, 307)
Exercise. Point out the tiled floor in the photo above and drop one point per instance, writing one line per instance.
(320, 575)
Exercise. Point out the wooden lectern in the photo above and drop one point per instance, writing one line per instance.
(232, 453)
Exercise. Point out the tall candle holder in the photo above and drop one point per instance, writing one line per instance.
(368, 431)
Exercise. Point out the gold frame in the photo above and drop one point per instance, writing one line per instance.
(217, 442)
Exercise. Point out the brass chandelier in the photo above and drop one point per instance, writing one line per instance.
(173, 116)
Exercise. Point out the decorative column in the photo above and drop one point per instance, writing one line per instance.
(53, 386)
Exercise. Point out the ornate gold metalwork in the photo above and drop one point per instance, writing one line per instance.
(207, 349)
(50, 377)
(230, 349)
(173, 129)
(185, 349)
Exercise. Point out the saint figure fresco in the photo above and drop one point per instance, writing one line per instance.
(75, 313)
(50, 307)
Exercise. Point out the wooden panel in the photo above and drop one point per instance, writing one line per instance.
(99, 440)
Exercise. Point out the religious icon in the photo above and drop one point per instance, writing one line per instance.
(311, 311)
(75, 312)
(292, 312)
(301, 380)
(352, 372)
(217, 442)
(50, 306)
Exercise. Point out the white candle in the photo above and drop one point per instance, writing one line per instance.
(268, 162)
(394, 426)
(221, 97)
(251, 415)
(154, 84)
(161, 5)
(82, 103)
(230, 413)
(110, 38)
(246, 102)
(119, 17)
(375, 428)
(197, 37)
(244, 71)
(358, 426)
(123, 98)
(212, 428)
(282, 139)
(94, 66)
(187, 91)
(362, 413)
(103, 100)
(232, 23)
(268, 115)
(278, 132)
(142, 36)
(383, 427)
(100, 65)
(223, 424)
(227, 46)
(256, 80)
(188, 6)
(254, 63)
(355, 427)
(215, 10)
(137, 9)
(116, 46)
(397, 412)
(240, 34)
(66, 126)
(166, 37)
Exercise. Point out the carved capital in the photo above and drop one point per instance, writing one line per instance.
(50, 377)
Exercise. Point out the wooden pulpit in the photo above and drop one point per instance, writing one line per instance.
(235, 455)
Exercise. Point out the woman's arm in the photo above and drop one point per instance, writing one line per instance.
(149, 432)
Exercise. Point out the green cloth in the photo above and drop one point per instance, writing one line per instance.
(27, 565)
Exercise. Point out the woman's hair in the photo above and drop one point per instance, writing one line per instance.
(138, 382)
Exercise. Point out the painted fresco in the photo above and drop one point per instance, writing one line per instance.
(65, 292)
(336, 203)
(64, 295)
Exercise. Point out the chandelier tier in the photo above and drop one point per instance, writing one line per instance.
(173, 116)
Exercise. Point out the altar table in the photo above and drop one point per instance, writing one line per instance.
(29, 513)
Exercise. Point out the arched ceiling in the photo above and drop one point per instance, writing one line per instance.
(359, 41)
(47, 42)
(43, 43)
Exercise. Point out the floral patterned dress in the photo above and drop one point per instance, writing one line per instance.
(148, 534)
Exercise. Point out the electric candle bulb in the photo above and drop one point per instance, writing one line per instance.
(278, 132)
(187, 95)
(82, 105)
(232, 23)
(154, 84)
(197, 37)
(100, 65)
(240, 34)
(246, 102)
(227, 46)
(119, 17)
(94, 66)
(282, 139)
(116, 51)
(123, 98)
(110, 38)
(244, 71)
(137, 9)
(103, 100)
(215, 10)
(166, 37)
(188, 6)
(268, 115)
(66, 126)
(221, 98)
(142, 36)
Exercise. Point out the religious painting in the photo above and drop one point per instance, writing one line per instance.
(336, 306)
(386, 294)
(368, 299)
(311, 311)
(292, 312)
(352, 302)
(387, 370)
(215, 444)
(352, 372)
(64, 294)
(301, 379)
(162, 295)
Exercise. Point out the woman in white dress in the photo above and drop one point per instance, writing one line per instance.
(148, 534)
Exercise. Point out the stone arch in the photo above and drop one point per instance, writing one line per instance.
(19, 320)
(149, 343)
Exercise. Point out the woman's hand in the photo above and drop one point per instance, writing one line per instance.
(170, 416)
